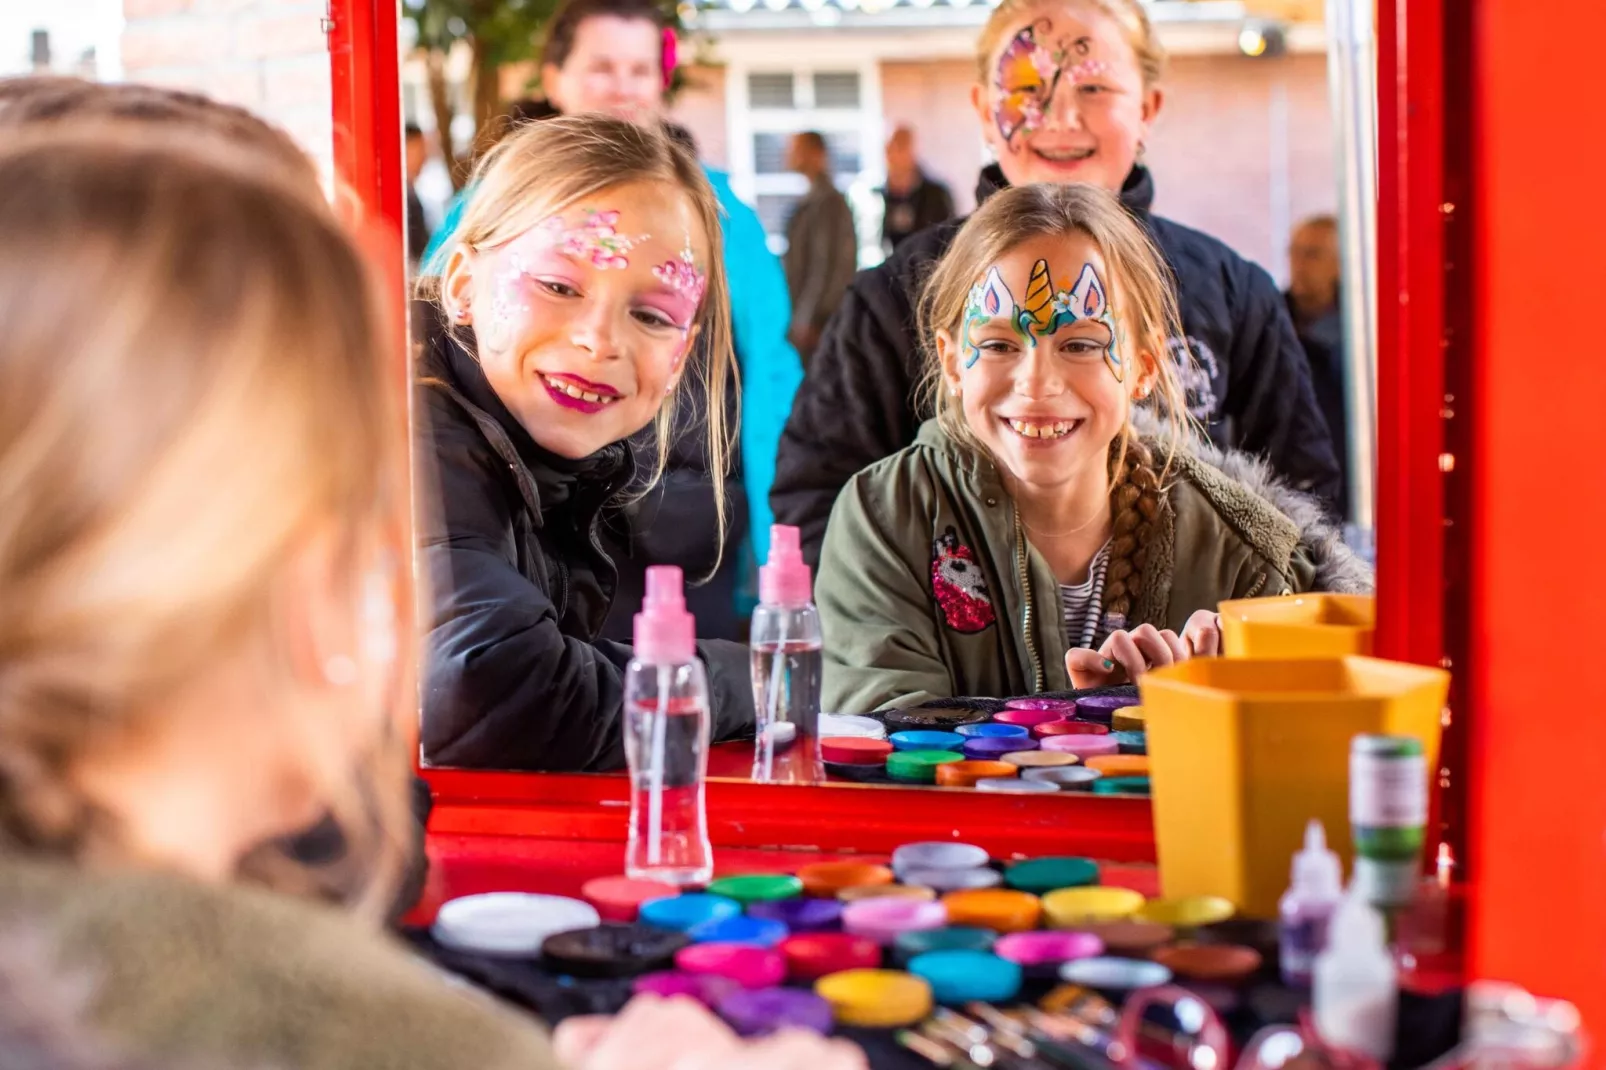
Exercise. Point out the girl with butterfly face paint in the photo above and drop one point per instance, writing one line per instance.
(1058, 523)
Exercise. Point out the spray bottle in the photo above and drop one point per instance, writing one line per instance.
(787, 663)
(1307, 907)
(667, 726)
(1355, 995)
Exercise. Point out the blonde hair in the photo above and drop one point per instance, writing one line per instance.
(1144, 299)
(1132, 16)
(192, 382)
(543, 168)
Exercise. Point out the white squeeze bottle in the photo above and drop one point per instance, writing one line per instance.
(1306, 909)
(667, 726)
(1355, 994)
(788, 660)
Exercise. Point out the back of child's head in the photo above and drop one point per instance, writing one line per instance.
(1144, 304)
(543, 168)
(1132, 15)
(192, 385)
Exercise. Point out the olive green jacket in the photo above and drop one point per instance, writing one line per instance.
(928, 587)
(177, 973)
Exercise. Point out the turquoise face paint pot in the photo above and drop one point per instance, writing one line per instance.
(960, 976)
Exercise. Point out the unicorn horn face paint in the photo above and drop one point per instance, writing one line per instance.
(1040, 360)
(583, 321)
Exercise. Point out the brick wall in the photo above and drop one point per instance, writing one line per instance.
(933, 98)
(266, 55)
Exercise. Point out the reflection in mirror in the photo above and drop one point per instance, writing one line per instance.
(1089, 382)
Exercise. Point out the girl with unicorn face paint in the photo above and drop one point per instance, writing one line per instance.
(1059, 523)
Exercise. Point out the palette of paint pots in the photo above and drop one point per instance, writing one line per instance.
(1041, 745)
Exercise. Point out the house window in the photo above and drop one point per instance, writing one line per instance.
(769, 106)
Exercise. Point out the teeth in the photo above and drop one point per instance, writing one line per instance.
(1067, 154)
(1058, 429)
(574, 391)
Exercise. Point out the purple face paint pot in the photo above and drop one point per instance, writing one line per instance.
(884, 920)
(1083, 747)
(750, 967)
(1102, 707)
(706, 988)
(993, 731)
(1028, 718)
(1046, 947)
(800, 915)
(762, 1011)
(989, 748)
(1065, 707)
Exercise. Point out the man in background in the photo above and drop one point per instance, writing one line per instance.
(1313, 303)
(416, 150)
(914, 201)
(822, 250)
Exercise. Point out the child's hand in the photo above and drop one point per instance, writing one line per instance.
(1202, 633)
(679, 1034)
(1125, 656)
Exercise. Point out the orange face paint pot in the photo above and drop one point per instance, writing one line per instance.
(826, 879)
(965, 774)
(997, 909)
(1114, 765)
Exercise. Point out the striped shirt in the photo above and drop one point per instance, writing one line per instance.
(1083, 603)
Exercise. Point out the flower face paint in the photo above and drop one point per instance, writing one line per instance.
(1029, 71)
(682, 275)
(1045, 311)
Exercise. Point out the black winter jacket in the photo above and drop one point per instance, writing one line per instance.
(516, 547)
(1250, 387)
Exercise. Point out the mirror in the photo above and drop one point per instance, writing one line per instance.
(834, 132)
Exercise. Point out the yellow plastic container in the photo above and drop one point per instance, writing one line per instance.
(1244, 752)
(1302, 626)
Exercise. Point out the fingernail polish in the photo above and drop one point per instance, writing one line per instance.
(1108, 664)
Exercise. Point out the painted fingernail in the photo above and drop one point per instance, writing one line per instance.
(1108, 664)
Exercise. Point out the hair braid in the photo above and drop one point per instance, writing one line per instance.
(1135, 505)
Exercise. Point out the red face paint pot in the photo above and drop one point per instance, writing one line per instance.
(1082, 745)
(811, 956)
(1028, 718)
(750, 967)
(1069, 728)
(855, 750)
(620, 898)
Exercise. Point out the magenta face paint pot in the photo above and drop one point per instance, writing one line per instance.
(1047, 947)
(1082, 746)
(750, 967)
(1028, 718)
(706, 988)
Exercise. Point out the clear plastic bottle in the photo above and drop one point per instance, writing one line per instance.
(1307, 907)
(667, 725)
(1355, 992)
(787, 665)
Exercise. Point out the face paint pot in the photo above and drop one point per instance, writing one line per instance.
(612, 951)
(757, 887)
(1189, 912)
(1040, 875)
(760, 1012)
(815, 955)
(958, 977)
(1102, 708)
(938, 854)
(1132, 742)
(1121, 785)
(1047, 948)
(1065, 707)
(1071, 908)
(1118, 765)
(875, 999)
(1039, 759)
(829, 878)
(1113, 974)
(1083, 746)
(844, 724)
(854, 750)
(926, 740)
(884, 920)
(705, 988)
(952, 938)
(1130, 719)
(1016, 786)
(1028, 718)
(508, 923)
(886, 891)
(620, 898)
(800, 915)
(682, 912)
(1217, 963)
(750, 967)
(754, 932)
(1128, 939)
(991, 730)
(965, 774)
(941, 719)
(919, 766)
(1064, 777)
(997, 909)
(1068, 728)
(992, 749)
(954, 880)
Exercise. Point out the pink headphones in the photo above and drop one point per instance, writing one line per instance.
(669, 57)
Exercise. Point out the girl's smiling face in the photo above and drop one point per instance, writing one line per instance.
(584, 321)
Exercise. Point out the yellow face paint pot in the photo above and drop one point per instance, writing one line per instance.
(1039, 759)
(891, 891)
(998, 909)
(1189, 912)
(1131, 719)
(875, 999)
(1068, 908)
(1114, 765)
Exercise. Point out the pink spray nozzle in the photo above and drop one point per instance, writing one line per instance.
(786, 580)
(665, 632)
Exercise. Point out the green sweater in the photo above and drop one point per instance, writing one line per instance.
(928, 587)
(179, 972)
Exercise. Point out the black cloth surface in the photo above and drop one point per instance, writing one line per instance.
(1249, 382)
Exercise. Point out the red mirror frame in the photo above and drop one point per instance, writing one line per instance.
(1468, 210)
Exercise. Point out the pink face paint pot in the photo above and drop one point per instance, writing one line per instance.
(706, 988)
(750, 967)
(620, 898)
(1047, 948)
(1028, 718)
(1083, 746)
(883, 920)
(1065, 707)
(1069, 728)
(1102, 707)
